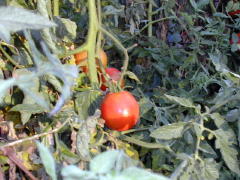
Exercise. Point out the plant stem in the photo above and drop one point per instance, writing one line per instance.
(199, 138)
(212, 6)
(91, 41)
(150, 19)
(55, 7)
(48, 4)
(10, 58)
(69, 53)
(124, 50)
(211, 3)
(35, 136)
(146, 144)
(99, 38)
(155, 21)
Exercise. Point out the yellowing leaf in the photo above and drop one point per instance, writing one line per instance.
(27, 162)
(129, 150)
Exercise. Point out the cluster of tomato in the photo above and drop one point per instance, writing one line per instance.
(120, 110)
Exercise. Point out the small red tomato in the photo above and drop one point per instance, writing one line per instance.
(120, 110)
(114, 75)
(233, 13)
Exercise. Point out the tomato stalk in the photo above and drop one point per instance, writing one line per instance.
(150, 19)
(55, 7)
(124, 50)
(9, 58)
(99, 37)
(91, 41)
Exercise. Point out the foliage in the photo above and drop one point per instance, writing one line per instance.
(183, 68)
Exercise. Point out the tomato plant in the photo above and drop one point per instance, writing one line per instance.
(120, 110)
(81, 59)
(114, 75)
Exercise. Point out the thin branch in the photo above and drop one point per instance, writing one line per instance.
(155, 21)
(55, 7)
(124, 50)
(199, 139)
(150, 19)
(34, 137)
(10, 58)
(77, 50)
(149, 23)
(131, 47)
(99, 37)
(91, 41)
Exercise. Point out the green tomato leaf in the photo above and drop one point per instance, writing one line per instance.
(133, 173)
(28, 108)
(170, 131)
(109, 161)
(182, 101)
(66, 30)
(143, 143)
(233, 115)
(145, 105)
(47, 160)
(14, 19)
(229, 153)
(74, 173)
(206, 148)
(222, 124)
(87, 102)
(211, 169)
(133, 76)
(220, 15)
(67, 154)
(105, 162)
(87, 128)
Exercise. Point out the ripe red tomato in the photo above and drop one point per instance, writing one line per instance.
(114, 75)
(233, 13)
(120, 110)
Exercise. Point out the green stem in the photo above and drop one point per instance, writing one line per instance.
(10, 58)
(49, 8)
(55, 7)
(69, 53)
(146, 144)
(124, 50)
(149, 23)
(91, 41)
(99, 38)
(155, 21)
(212, 6)
(134, 130)
(198, 141)
(150, 19)
(211, 3)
